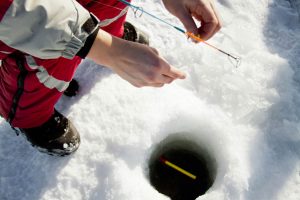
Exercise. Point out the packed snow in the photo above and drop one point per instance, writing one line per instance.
(247, 117)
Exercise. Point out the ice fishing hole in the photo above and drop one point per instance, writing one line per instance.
(181, 169)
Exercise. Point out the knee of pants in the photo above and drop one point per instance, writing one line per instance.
(31, 103)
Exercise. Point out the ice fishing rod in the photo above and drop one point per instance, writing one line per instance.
(189, 34)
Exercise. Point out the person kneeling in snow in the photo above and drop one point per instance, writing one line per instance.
(43, 41)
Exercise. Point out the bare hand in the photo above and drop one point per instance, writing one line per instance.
(138, 64)
(203, 10)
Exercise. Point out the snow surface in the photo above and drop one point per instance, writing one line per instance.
(296, 5)
(248, 117)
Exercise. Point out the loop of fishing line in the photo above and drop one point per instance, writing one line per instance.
(137, 10)
(234, 60)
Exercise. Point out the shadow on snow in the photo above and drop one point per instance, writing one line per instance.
(277, 150)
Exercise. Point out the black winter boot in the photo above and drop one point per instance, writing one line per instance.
(72, 89)
(56, 137)
(131, 33)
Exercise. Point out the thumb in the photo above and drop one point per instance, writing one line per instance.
(188, 22)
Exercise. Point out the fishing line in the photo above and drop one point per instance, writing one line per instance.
(189, 34)
(135, 11)
(235, 60)
(231, 57)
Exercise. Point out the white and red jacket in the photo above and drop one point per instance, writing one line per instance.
(41, 44)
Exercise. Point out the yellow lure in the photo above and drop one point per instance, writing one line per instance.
(178, 168)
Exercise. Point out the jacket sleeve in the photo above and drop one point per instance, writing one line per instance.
(47, 29)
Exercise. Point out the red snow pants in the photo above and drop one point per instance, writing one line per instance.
(32, 103)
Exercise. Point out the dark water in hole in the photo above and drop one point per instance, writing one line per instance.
(176, 185)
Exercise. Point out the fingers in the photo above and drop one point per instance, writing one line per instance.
(157, 85)
(187, 20)
(147, 69)
(170, 71)
(203, 10)
(159, 78)
(219, 25)
(174, 73)
(210, 21)
(166, 79)
(165, 73)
